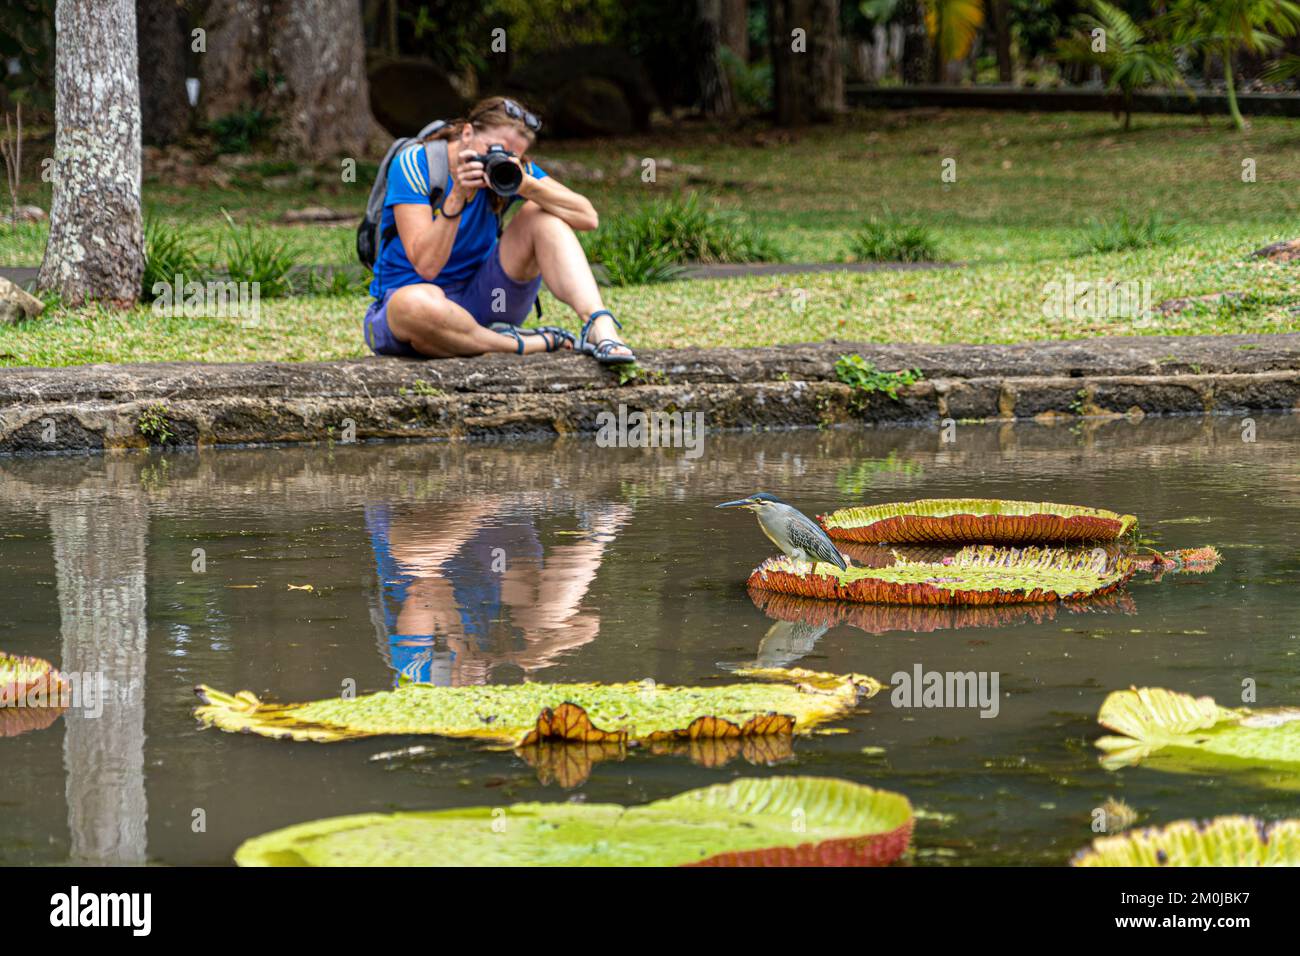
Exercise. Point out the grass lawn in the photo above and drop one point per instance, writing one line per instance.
(1027, 187)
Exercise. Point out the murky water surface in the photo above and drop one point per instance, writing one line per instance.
(564, 561)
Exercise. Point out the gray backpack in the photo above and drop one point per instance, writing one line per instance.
(435, 151)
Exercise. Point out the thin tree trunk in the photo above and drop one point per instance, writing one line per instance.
(96, 244)
(1002, 28)
(936, 74)
(163, 43)
(735, 28)
(792, 87)
(1231, 89)
(915, 62)
(715, 88)
(827, 67)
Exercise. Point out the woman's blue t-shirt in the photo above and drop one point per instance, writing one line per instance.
(408, 182)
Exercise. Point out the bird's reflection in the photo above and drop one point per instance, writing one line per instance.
(788, 641)
(469, 594)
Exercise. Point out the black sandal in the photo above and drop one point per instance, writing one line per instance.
(554, 336)
(603, 351)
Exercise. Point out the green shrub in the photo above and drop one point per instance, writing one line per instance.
(1124, 233)
(237, 132)
(336, 283)
(167, 253)
(259, 257)
(891, 240)
(631, 264)
(862, 376)
(751, 85)
(154, 425)
(679, 231)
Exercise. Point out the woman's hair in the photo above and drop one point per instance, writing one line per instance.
(489, 113)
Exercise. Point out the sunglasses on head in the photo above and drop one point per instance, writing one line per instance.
(517, 112)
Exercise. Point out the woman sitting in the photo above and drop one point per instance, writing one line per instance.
(449, 281)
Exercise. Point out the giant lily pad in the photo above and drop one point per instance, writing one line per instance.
(32, 694)
(778, 821)
(1179, 732)
(975, 521)
(520, 715)
(1223, 841)
(979, 575)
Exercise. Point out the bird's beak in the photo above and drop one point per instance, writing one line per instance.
(738, 503)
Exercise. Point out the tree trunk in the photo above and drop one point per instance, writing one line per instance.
(96, 244)
(792, 86)
(715, 88)
(324, 107)
(916, 44)
(163, 43)
(311, 55)
(735, 28)
(235, 53)
(1230, 88)
(1002, 29)
(827, 66)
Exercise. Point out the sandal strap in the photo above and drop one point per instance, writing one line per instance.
(604, 349)
(586, 326)
(557, 336)
(519, 339)
(617, 324)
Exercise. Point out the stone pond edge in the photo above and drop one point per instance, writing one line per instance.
(117, 407)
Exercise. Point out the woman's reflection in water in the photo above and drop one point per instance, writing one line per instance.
(467, 588)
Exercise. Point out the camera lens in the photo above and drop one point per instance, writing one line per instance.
(503, 175)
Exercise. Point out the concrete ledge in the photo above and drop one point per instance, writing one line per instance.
(1075, 99)
(101, 407)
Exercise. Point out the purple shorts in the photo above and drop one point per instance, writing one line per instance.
(489, 295)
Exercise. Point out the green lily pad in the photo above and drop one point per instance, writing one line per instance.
(973, 576)
(1223, 841)
(776, 821)
(776, 702)
(1177, 732)
(975, 521)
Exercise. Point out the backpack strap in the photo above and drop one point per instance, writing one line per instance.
(435, 154)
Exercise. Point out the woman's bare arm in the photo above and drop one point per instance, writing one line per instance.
(559, 200)
(427, 238)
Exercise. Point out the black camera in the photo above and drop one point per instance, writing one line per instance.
(503, 174)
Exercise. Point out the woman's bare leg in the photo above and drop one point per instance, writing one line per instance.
(421, 315)
(535, 242)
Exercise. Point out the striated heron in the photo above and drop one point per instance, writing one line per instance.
(797, 535)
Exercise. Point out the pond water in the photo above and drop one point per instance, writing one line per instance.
(617, 567)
